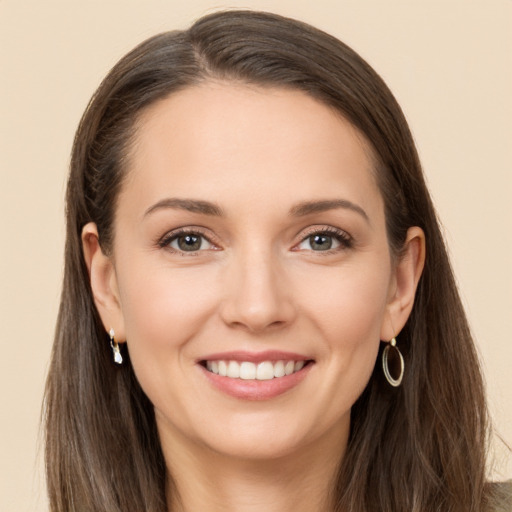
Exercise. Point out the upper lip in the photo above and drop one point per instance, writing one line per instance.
(255, 357)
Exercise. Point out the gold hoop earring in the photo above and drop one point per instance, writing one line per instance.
(118, 358)
(389, 364)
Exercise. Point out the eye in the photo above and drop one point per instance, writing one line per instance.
(319, 242)
(186, 241)
(325, 240)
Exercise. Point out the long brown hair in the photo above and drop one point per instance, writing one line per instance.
(421, 447)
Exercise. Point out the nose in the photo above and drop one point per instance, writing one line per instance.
(258, 296)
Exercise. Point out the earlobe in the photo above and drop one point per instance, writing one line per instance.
(103, 282)
(407, 274)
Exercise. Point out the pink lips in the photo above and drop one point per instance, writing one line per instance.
(255, 389)
(256, 357)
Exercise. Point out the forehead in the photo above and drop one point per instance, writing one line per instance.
(237, 141)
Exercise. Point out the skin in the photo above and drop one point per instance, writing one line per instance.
(258, 283)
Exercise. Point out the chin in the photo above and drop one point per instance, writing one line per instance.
(257, 446)
(272, 435)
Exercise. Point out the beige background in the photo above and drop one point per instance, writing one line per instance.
(449, 64)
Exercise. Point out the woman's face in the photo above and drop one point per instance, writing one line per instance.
(250, 237)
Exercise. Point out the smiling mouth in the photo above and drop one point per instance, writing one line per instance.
(247, 370)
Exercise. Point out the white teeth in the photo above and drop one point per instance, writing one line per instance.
(233, 370)
(266, 370)
(298, 366)
(279, 369)
(247, 371)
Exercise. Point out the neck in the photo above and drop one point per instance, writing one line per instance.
(202, 479)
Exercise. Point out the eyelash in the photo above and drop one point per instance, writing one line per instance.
(342, 237)
(168, 238)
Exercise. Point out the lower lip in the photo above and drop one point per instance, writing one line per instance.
(256, 389)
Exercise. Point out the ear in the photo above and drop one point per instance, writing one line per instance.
(403, 284)
(103, 282)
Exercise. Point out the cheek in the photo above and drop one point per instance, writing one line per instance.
(160, 298)
(163, 309)
(349, 304)
(348, 308)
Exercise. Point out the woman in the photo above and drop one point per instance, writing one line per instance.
(247, 222)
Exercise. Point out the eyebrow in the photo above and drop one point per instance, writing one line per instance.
(309, 207)
(190, 205)
(299, 210)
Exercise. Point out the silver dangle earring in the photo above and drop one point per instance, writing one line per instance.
(118, 358)
(393, 364)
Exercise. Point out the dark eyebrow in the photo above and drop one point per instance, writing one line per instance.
(309, 207)
(190, 205)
